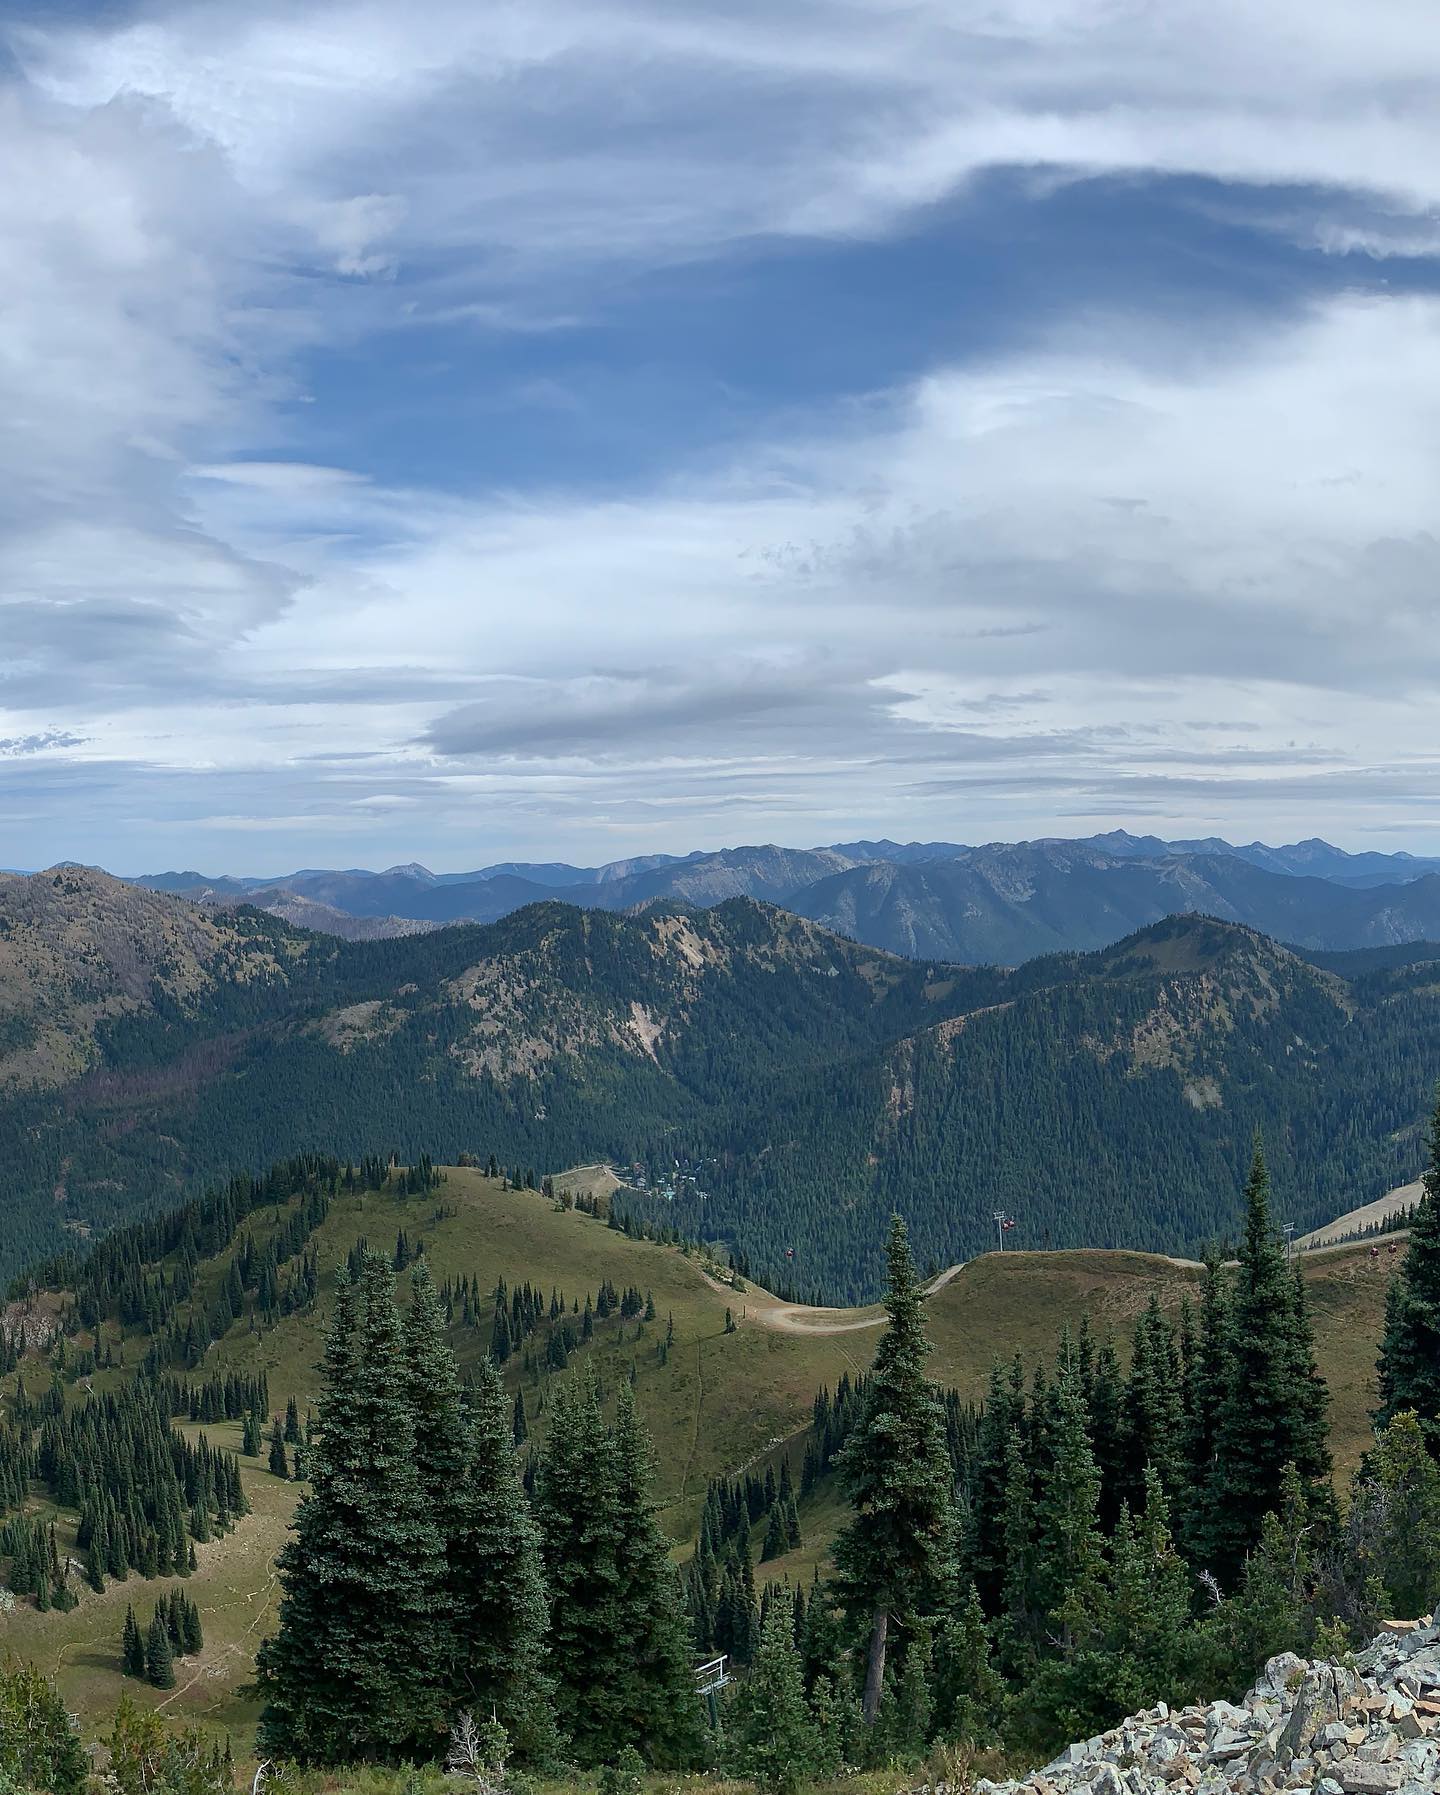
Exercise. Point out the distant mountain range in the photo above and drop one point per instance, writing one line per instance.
(997, 903)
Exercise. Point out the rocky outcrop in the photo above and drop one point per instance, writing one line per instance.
(1367, 1728)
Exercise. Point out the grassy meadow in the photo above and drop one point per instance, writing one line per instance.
(722, 1402)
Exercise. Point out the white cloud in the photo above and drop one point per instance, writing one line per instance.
(547, 128)
(1010, 597)
(1028, 582)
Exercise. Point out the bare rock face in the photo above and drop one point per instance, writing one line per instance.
(1328, 1693)
(1327, 1728)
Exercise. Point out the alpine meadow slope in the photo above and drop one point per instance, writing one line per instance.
(718, 1399)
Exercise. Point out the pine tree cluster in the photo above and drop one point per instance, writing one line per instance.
(521, 1311)
(1098, 1537)
(144, 1493)
(37, 1566)
(174, 1632)
(420, 1584)
(720, 1578)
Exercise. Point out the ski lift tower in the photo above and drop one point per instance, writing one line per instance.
(1003, 1225)
(710, 1678)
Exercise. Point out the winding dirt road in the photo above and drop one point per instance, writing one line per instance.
(800, 1318)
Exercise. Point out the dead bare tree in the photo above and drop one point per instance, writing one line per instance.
(478, 1752)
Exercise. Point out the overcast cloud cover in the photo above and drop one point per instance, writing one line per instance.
(567, 430)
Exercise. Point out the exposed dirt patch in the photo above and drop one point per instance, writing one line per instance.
(358, 1022)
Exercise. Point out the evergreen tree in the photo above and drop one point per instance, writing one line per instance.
(132, 1646)
(829, 1713)
(1309, 1403)
(1154, 1427)
(984, 1553)
(1266, 1419)
(355, 1667)
(441, 1442)
(1068, 1544)
(659, 1683)
(1397, 1508)
(1146, 1611)
(773, 1735)
(896, 1558)
(1270, 1609)
(279, 1462)
(969, 1692)
(39, 1748)
(774, 1543)
(619, 1640)
(1409, 1372)
(1206, 1384)
(575, 1495)
(496, 1583)
(903, 1728)
(1018, 1613)
(1106, 1407)
(159, 1656)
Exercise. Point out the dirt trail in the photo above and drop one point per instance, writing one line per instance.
(800, 1318)
(1404, 1196)
(770, 1311)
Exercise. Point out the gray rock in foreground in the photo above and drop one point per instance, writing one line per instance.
(1323, 1727)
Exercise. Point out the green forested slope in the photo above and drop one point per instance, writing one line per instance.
(552, 1036)
(815, 1085)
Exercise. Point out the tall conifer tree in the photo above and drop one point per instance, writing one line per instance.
(659, 1681)
(1410, 1351)
(575, 1496)
(896, 1558)
(618, 1636)
(983, 1541)
(1205, 1388)
(1154, 1423)
(159, 1654)
(1068, 1545)
(354, 1670)
(773, 1736)
(1266, 1419)
(497, 1582)
(132, 1646)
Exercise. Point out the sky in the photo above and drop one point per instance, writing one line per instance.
(578, 428)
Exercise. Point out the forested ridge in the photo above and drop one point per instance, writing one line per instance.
(810, 1085)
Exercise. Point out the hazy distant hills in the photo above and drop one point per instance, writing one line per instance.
(1001, 902)
(1010, 904)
